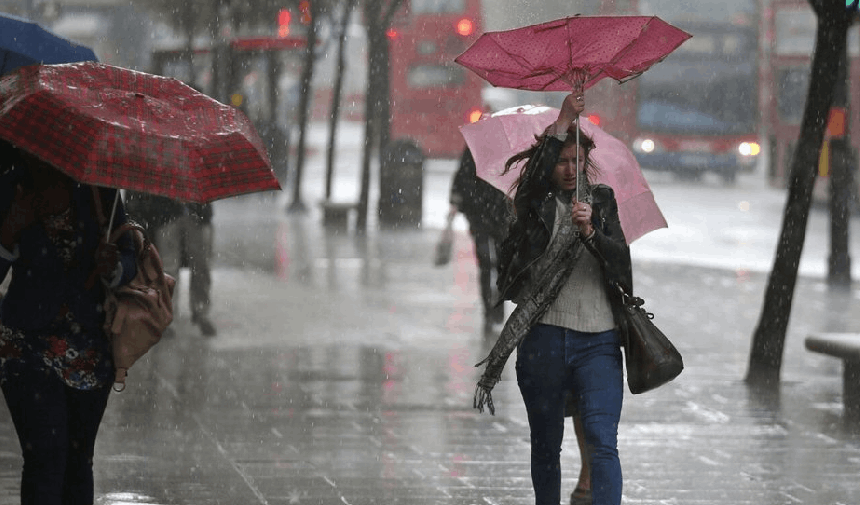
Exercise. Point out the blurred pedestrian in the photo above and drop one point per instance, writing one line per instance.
(487, 210)
(56, 367)
(563, 254)
(277, 142)
(183, 234)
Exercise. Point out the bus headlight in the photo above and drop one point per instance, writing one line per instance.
(749, 149)
(644, 145)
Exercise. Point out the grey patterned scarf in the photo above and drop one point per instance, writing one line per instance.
(551, 272)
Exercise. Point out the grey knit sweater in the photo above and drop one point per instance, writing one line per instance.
(582, 303)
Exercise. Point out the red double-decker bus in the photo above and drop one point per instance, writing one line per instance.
(790, 27)
(431, 96)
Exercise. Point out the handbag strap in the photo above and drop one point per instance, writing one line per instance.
(102, 221)
(631, 301)
(626, 295)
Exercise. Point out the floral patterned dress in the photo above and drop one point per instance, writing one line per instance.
(81, 357)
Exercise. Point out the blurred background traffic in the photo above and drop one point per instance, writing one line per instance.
(727, 102)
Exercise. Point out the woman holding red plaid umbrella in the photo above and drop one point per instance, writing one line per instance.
(55, 360)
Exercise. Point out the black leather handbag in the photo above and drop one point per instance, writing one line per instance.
(649, 355)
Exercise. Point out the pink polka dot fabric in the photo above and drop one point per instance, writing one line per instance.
(552, 56)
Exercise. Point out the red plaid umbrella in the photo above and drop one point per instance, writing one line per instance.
(115, 127)
(579, 50)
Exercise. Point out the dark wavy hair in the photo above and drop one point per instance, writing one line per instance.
(532, 184)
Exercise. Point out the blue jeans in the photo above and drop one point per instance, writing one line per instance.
(57, 427)
(552, 361)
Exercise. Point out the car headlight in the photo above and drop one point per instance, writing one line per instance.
(749, 149)
(644, 145)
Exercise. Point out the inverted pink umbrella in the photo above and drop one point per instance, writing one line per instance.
(574, 53)
(579, 50)
(497, 137)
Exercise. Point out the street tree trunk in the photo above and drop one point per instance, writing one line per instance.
(305, 90)
(334, 118)
(188, 48)
(769, 338)
(384, 104)
(841, 186)
(378, 20)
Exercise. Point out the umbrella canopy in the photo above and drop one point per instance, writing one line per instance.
(115, 127)
(499, 136)
(555, 56)
(23, 42)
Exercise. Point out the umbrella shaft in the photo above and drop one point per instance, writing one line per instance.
(112, 214)
(576, 195)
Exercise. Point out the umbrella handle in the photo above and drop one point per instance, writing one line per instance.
(576, 195)
(112, 214)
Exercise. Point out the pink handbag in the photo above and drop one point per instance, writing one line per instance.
(138, 313)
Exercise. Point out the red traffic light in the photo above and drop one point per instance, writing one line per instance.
(465, 27)
(284, 19)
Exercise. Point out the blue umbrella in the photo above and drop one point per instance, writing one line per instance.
(23, 42)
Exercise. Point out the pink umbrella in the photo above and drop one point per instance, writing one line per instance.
(556, 55)
(497, 137)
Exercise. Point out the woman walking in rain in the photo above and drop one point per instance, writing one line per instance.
(55, 359)
(563, 254)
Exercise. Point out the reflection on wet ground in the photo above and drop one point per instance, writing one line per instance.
(343, 374)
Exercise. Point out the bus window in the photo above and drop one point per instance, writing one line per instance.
(436, 6)
(705, 90)
(434, 76)
(795, 32)
(700, 44)
(432, 34)
(678, 12)
(792, 85)
(733, 44)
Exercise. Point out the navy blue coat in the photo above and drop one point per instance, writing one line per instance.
(40, 283)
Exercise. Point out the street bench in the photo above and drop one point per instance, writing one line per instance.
(845, 346)
(336, 214)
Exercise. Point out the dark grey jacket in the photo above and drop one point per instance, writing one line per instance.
(529, 237)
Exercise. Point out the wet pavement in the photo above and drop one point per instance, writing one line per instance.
(343, 374)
